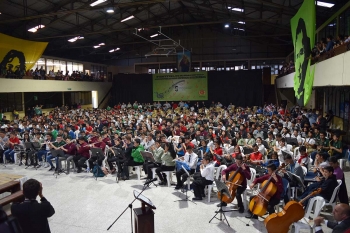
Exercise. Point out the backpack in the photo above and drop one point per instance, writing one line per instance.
(97, 171)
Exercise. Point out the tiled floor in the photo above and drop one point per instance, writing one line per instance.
(83, 204)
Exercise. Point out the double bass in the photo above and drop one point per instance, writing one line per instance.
(292, 212)
(233, 182)
(258, 205)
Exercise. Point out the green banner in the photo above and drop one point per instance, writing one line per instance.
(180, 86)
(303, 26)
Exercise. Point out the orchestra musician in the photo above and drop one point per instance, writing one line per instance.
(322, 146)
(57, 147)
(230, 158)
(69, 150)
(99, 144)
(3, 142)
(168, 163)
(206, 178)
(327, 184)
(336, 147)
(190, 159)
(10, 153)
(157, 151)
(116, 158)
(277, 180)
(245, 172)
(136, 159)
(106, 139)
(45, 148)
(82, 154)
(256, 154)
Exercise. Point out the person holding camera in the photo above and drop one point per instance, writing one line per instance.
(32, 216)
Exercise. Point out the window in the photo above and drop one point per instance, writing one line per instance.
(49, 65)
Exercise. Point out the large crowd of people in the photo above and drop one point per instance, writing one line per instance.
(41, 74)
(179, 136)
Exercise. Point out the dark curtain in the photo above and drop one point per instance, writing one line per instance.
(130, 88)
(241, 88)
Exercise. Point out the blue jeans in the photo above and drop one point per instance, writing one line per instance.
(10, 155)
(49, 159)
(41, 153)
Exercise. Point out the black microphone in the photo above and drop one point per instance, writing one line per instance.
(150, 181)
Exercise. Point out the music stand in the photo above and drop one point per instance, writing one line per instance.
(149, 203)
(292, 141)
(185, 189)
(224, 191)
(296, 179)
(148, 156)
(96, 152)
(29, 147)
(55, 154)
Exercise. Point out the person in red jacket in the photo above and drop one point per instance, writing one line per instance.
(245, 172)
(256, 155)
(275, 199)
(82, 154)
(10, 153)
(217, 152)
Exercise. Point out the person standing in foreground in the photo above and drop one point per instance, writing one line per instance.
(32, 216)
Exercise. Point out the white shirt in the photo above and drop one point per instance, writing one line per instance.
(191, 160)
(208, 172)
(148, 144)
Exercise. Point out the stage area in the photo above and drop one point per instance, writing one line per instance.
(83, 205)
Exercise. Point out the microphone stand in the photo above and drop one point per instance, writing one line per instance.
(130, 206)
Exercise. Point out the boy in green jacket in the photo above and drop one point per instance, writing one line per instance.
(136, 160)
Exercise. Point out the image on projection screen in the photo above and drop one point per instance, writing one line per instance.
(180, 86)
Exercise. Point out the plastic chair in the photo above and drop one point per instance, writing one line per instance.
(138, 171)
(318, 202)
(332, 201)
(343, 161)
(252, 178)
(210, 186)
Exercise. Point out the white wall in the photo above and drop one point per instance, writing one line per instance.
(31, 85)
(331, 72)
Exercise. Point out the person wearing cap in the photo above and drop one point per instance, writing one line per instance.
(82, 154)
(190, 159)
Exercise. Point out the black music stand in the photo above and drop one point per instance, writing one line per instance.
(185, 189)
(130, 206)
(29, 146)
(96, 152)
(148, 156)
(224, 191)
(296, 180)
(55, 154)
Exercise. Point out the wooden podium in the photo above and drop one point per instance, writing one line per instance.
(144, 216)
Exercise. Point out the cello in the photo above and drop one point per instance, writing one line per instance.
(258, 205)
(234, 181)
(292, 212)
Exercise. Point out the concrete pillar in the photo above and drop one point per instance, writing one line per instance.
(63, 98)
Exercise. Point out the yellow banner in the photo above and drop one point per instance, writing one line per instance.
(17, 54)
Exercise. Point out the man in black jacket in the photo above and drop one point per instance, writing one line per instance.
(341, 213)
(32, 216)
